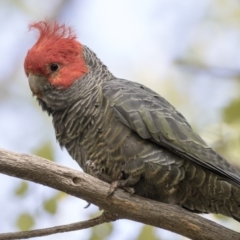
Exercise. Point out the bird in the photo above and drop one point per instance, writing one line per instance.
(123, 132)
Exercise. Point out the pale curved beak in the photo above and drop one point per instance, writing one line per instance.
(36, 84)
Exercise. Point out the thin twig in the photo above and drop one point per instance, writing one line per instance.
(103, 218)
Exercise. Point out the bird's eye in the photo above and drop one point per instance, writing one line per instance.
(54, 67)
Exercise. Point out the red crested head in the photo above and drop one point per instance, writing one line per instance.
(56, 56)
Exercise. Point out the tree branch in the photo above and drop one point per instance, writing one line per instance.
(84, 186)
(221, 72)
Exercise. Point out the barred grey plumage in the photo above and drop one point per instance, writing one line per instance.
(130, 132)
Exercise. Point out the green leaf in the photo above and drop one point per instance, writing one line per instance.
(221, 217)
(51, 205)
(101, 232)
(60, 195)
(45, 151)
(25, 222)
(21, 189)
(147, 232)
(231, 113)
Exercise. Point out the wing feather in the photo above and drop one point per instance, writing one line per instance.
(155, 119)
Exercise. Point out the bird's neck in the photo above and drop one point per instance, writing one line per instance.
(97, 70)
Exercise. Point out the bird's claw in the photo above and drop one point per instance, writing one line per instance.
(113, 187)
(88, 205)
(91, 165)
(129, 190)
(94, 171)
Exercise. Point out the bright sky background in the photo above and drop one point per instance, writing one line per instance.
(137, 40)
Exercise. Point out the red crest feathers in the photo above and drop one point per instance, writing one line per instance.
(56, 44)
(53, 30)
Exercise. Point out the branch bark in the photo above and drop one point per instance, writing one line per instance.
(84, 186)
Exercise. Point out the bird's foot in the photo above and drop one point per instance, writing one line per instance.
(129, 190)
(113, 187)
(91, 166)
(124, 184)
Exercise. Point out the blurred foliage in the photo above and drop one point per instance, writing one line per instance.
(100, 232)
(51, 205)
(21, 189)
(45, 151)
(25, 222)
(231, 113)
(147, 232)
